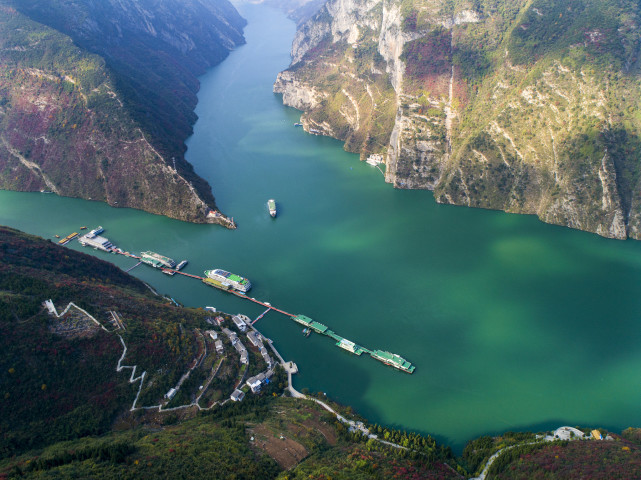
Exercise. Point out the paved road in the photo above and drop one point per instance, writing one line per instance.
(561, 433)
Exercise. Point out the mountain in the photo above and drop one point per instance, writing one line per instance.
(59, 372)
(97, 98)
(523, 106)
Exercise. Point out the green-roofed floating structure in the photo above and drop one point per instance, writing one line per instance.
(236, 282)
(391, 359)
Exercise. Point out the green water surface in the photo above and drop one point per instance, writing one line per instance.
(511, 323)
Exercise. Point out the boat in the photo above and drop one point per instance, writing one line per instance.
(95, 232)
(68, 238)
(181, 265)
(157, 260)
(393, 360)
(235, 281)
(57, 236)
(375, 159)
(307, 332)
(271, 204)
(168, 272)
(83, 228)
(298, 124)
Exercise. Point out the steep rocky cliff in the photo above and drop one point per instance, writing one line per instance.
(97, 98)
(523, 106)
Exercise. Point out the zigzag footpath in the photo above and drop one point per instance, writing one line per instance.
(289, 367)
(141, 378)
(133, 378)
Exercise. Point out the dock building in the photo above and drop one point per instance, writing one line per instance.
(96, 241)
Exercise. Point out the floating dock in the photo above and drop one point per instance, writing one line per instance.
(168, 266)
(92, 239)
(157, 260)
(391, 359)
(350, 346)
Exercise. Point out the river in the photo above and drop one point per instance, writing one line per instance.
(512, 324)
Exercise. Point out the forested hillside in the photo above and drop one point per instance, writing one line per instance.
(528, 107)
(97, 99)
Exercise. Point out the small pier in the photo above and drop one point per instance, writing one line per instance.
(131, 268)
(261, 315)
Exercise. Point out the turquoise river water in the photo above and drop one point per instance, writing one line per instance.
(511, 323)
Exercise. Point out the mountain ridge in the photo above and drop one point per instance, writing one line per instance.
(100, 109)
(526, 107)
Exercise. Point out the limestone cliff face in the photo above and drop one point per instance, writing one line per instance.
(527, 107)
(105, 97)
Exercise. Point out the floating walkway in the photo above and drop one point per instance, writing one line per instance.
(131, 268)
(261, 315)
(385, 357)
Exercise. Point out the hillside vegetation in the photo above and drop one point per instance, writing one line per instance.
(528, 107)
(72, 405)
(58, 375)
(97, 99)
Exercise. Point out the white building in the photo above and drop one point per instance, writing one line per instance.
(256, 382)
(240, 324)
(238, 395)
(96, 242)
(232, 335)
(50, 306)
(255, 339)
